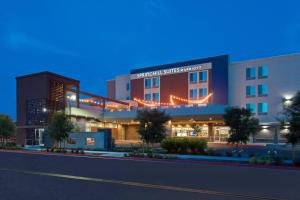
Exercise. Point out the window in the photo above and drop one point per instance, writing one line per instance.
(90, 141)
(127, 86)
(250, 91)
(148, 83)
(147, 97)
(193, 93)
(262, 90)
(155, 97)
(263, 108)
(203, 76)
(127, 98)
(193, 77)
(251, 106)
(250, 73)
(263, 71)
(202, 92)
(155, 82)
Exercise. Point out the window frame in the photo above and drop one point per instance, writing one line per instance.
(146, 96)
(196, 78)
(258, 108)
(145, 85)
(193, 93)
(251, 95)
(153, 99)
(155, 86)
(250, 77)
(260, 70)
(202, 72)
(260, 88)
(253, 111)
(203, 89)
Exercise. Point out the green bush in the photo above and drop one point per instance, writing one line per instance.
(184, 145)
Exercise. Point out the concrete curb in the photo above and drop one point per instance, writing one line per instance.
(186, 161)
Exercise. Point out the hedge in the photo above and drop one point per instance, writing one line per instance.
(184, 145)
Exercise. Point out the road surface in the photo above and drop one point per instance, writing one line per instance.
(29, 176)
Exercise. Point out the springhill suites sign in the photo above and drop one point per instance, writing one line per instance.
(172, 71)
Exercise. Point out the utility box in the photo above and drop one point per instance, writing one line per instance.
(100, 140)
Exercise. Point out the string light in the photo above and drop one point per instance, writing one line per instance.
(172, 103)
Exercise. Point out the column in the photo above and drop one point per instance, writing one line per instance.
(210, 133)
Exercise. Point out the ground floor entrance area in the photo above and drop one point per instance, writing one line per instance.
(213, 132)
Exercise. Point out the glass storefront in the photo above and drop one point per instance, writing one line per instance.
(219, 133)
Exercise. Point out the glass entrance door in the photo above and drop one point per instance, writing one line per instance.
(38, 136)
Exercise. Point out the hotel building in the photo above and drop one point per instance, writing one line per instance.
(195, 92)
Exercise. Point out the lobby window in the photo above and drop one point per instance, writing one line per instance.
(203, 76)
(90, 141)
(250, 90)
(155, 82)
(127, 86)
(147, 97)
(202, 92)
(262, 90)
(263, 71)
(148, 83)
(193, 77)
(262, 108)
(251, 107)
(155, 97)
(193, 93)
(250, 73)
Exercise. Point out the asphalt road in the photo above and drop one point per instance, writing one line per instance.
(48, 177)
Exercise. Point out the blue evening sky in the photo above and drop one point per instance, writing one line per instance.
(94, 40)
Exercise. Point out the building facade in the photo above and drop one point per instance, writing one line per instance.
(259, 85)
(194, 93)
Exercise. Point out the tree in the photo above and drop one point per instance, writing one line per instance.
(152, 125)
(242, 124)
(7, 128)
(291, 111)
(197, 129)
(59, 127)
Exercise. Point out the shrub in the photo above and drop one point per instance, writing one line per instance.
(211, 152)
(297, 163)
(228, 153)
(252, 160)
(261, 160)
(184, 145)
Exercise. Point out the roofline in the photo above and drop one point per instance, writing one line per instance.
(176, 64)
(47, 73)
(266, 58)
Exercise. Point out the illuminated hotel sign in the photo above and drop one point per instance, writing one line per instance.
(172, 71)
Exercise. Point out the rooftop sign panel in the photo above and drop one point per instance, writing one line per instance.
(175, 70)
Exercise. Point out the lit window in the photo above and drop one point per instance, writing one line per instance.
(90, 141)
(155, 97)
(193, 77)
(202, 92)
(263, 71)
(203, 76)
(148, 83)
(250, 90)
(155, 82)
(262, 90)
(250, 73)
(127, 86)
(193, 93)
(262, 108)
(251, 107)
(147, 97)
